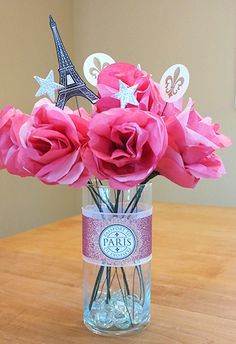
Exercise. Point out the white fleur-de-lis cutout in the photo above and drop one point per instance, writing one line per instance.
(94, 64)
(174, 83)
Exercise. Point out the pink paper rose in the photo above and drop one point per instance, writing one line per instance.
(147, 92)
(125, 145)
(53, 142)
(11, 120)
(190, 155)
(108, 84)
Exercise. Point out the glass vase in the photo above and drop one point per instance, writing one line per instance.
(117, 250)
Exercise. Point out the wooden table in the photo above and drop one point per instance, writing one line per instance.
(193, 281)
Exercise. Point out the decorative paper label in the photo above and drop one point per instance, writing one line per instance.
(117, 240)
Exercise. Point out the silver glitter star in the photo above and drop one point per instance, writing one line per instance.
(47, 86)
(126, 95)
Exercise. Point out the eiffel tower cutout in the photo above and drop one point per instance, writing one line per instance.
(69, 78)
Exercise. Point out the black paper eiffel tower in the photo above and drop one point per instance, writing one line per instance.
(69, 78)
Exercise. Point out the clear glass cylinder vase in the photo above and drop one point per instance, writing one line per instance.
(117, 250)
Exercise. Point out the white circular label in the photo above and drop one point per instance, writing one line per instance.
(94, 64)
(174, 83)
(117, 241)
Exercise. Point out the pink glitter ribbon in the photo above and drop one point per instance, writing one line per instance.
(117, 239)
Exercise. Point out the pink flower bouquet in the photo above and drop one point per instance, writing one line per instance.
(124, 146)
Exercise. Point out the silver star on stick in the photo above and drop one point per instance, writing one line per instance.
(47, 86)
(126, 95)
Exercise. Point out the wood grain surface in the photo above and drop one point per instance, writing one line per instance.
(193, 281)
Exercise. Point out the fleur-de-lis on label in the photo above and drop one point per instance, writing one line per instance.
(98, 67)
(173, 83)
